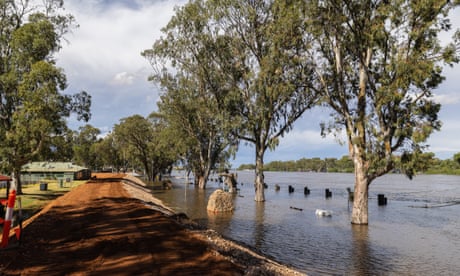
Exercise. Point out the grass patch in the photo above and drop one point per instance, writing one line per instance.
(33, 199)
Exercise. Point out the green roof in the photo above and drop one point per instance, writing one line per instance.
(51, 167)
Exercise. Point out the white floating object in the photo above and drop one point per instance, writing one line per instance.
(323, 213)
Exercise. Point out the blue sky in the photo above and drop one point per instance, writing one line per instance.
(103, 58)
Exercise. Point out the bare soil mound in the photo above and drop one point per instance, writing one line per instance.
(98, 229)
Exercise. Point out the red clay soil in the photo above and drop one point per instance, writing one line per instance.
(98, 229)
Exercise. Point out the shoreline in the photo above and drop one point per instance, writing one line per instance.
(249, 261)
(254, 263)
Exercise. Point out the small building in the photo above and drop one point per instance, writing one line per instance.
(37, 171)
(4, 184)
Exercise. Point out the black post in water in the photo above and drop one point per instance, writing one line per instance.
(328, 193)
(306, 191)
(382, 200)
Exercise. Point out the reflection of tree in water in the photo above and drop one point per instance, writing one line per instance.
(362, 262)
(191, 200)
(259, 225)
(194, 201)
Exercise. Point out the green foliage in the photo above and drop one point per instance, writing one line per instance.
(252, 68)
(428, 164)
(243, 167)
(377, 64)
(58, 148)
(246, 59)
(142, 145)
(83, 147)
(457, 157)
(109, 153)
(448, 166)
(312, 165)
(189, 106)
(32, 109)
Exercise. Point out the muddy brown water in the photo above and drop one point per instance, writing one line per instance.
(402, 238)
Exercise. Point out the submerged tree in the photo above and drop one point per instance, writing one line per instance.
(32, 109)
(377, 63)
(198, 126)
(246, 59)
(199, 129)
(263, 60)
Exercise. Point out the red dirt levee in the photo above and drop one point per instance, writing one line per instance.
(98, 229)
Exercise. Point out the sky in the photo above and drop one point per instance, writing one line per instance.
(103, 57)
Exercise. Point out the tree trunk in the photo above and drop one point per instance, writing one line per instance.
(202, 182)
(148, 171)
(16, 183)
(201, 177)
(259, 181)
(359, 213)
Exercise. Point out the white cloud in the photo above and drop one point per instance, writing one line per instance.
(111, 39)
(310, 143)
(306, 137)
(445, 99)
(123, 78)
(445, 142)
(104, 55)
(103, 58)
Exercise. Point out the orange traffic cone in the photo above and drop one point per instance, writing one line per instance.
(8, 218)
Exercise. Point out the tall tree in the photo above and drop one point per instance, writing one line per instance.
(58, 148)
(83, 146)
(32, 109)
(377, 63)
(263, 60)
(164, 149)
(141, 137)
(189, 104)
(110, 152)
(246, 58)
(198, 127)
(135, 134)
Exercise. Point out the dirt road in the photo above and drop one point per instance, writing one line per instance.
(98, 229)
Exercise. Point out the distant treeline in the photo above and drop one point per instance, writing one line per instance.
(345, 164)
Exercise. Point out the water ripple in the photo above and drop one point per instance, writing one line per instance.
(399, 239)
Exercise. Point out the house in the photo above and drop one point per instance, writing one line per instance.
(37, 171)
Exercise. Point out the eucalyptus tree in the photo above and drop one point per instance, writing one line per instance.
(58, 148)
(141, 138)
(377, 63)
(189, 104)
(135, 134)
(199, 129)
(165, 149)
(32, 108)
(110, 152)
(83, 146)
(263, 59)
(242, 62)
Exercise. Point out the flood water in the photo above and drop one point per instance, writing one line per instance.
(402, 238)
